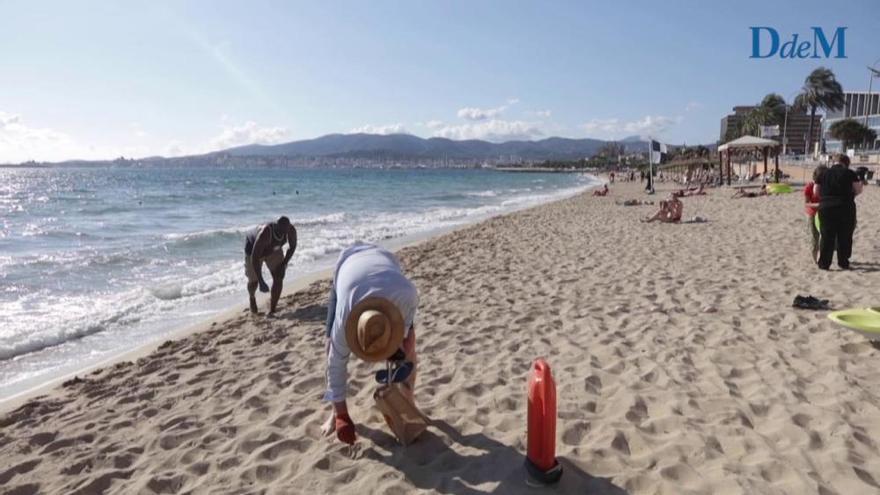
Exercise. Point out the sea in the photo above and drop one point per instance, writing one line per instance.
(95, 262)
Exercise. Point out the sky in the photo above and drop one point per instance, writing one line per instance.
(103, 79)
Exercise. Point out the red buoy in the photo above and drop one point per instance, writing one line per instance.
(541, 461)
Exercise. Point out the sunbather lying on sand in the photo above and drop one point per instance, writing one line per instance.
(670, 211)
(633, 202)
(742, 193)
(689, 192)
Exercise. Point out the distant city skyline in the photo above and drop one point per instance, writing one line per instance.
(100, 79)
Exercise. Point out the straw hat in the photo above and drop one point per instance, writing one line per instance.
(374, 329)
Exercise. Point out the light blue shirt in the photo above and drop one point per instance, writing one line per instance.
(363, 270)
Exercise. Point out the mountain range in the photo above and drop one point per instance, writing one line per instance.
(407, 146)
(385, 147)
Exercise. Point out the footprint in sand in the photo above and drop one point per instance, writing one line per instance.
(713, 447)
(815, 441)
(26, 489)
(680, 473)
(574, 434)
(266, 473)
(866, 477)
(40, 439)
(102, 483)
(229, 463)
(620, 443)
(638, 412)
(593, 384)
(802, 420)
(166, 484)
(22, 468)
(282, 447)
(249, 445)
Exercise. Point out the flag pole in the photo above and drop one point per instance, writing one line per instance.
(650, 165)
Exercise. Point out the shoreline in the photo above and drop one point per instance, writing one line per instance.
(300, 283)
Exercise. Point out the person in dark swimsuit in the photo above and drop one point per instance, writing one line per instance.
(264, 245)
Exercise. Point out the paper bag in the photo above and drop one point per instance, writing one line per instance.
(402, 416)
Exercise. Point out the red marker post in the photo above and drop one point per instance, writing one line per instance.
(541, 461)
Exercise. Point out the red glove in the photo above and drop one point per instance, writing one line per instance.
(345, 429)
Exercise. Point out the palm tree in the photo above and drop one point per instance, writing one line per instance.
(771, 111)
(851, 132)
(820, 90)
(752, 122)
(775, 104)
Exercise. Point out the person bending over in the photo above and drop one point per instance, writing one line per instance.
(264, 245)
(370, 313)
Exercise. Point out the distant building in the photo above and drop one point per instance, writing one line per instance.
(730, 123)
(795, 128)
(859, 104)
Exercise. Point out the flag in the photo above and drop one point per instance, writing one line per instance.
(658, 152)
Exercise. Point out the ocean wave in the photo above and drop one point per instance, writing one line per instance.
(168, 292)
(60, 262)
(72, 317)
(185, 237)
(328, 219)
(44, 321)
(242, 230)
(446, 196)
(483, 194)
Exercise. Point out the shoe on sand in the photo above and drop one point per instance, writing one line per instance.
(810, 302)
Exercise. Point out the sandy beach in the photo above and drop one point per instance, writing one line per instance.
(681, 368)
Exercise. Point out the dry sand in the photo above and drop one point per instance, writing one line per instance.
(680, 366)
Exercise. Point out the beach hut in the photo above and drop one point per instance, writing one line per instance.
(749, 144)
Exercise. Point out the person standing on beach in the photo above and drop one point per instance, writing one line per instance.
(264, 244)
(838, 189)
(811, 200)
(370, 313)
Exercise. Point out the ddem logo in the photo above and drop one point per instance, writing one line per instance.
(765, 44)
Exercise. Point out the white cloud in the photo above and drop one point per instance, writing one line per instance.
(693, 105)
(544, 114)
(20, 142)
(487, 124)
(491, 130)
(247, 133)
(231, 135)
(612, 128)
(474, 113)
(380, 129)
(434, 124)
